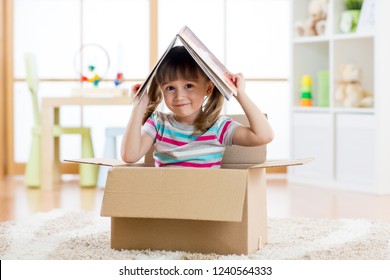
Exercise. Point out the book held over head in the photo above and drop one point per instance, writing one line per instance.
(212, 67)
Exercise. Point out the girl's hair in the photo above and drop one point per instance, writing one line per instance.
(178, 64)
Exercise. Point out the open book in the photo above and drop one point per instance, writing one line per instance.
(212, 67)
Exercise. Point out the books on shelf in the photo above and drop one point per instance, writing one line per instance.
(212, 67)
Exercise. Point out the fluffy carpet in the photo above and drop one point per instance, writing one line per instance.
(62, 234)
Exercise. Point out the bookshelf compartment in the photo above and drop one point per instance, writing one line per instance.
(357, 51)
(311, 58)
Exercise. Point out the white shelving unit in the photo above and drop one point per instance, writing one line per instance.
(351, 146)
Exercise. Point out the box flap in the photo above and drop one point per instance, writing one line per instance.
(288, 162)
(99, 161)
(237, 165)
(239, 155)
(244, 155)
(175, 193)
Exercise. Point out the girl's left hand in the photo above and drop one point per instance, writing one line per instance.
(237, 80)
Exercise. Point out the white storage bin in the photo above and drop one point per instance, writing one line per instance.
(355, 149)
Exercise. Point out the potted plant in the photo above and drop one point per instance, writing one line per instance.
(350, 17)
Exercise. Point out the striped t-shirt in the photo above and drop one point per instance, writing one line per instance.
(176, 146)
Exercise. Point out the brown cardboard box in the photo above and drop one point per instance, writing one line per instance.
(221, 211)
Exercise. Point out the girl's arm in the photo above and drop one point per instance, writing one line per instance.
(259, 131)
(135, 143)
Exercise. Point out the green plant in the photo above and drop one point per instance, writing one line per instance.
(353, 4)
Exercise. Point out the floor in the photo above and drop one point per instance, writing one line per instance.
(284, 200)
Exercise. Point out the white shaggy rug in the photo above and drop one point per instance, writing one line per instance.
(61, 234)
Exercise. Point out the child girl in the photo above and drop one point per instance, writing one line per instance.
(193, 134)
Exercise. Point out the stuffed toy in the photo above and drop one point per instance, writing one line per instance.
(316, 23)
(350, 92)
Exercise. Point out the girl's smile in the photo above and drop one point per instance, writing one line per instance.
(181, 104)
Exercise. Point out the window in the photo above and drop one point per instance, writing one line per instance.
(244, 34)
(54, 32)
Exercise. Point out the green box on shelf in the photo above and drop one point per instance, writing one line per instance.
(323, 88)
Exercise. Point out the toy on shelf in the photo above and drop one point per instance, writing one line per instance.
(350, 17)
(92, 63)
(119, 73)
(306, 98)
(315, 24)
(349, 91)
(119, 79)
(323, 88)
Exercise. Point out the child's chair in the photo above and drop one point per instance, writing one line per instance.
(110, 151)
(88, 173)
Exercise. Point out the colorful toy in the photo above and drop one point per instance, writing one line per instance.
(119, 79)
(119, 73)
(323, 88)
(92, 63)
(350, 17)
(306, 98)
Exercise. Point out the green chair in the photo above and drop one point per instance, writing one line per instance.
(88, 173)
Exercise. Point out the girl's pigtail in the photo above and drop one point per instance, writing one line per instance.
(210, 113)
(155, 98)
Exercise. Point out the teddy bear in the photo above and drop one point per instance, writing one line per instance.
(316, 23)
(349, 92)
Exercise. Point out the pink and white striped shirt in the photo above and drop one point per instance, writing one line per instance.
(177, 147)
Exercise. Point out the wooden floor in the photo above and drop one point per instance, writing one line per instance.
(284, 200)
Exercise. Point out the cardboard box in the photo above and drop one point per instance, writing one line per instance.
(221, 211)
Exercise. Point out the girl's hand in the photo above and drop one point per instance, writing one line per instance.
(237, 80)
(259, 131)
(136, 143)
(135, 99)
(135, 88)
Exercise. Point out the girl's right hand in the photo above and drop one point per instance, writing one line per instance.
(135, 88)
(135, 99)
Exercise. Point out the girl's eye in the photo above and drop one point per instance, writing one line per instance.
(189, 86)
(169, 88)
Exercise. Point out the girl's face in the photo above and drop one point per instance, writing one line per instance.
(185, 97)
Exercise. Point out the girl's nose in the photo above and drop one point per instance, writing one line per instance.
(179, 94)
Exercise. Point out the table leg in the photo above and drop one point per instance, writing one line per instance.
(57, 161)
(47, 148)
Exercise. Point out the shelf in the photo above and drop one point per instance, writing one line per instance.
(351, 36)
(367, 111)
(335, 37)
(310, 39)
(316, 109)
(349, 144)
(313, 109)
